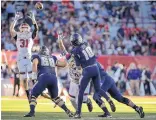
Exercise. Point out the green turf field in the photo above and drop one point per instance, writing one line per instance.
(15, 108)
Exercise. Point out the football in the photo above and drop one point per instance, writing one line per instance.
(39, 6)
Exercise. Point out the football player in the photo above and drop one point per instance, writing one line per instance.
(44, 64)
(75, 75)
(85, 59)
(24, 42)
(108, 85)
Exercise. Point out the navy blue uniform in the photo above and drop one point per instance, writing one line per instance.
(108, 84)
(85, 58)
(46, 76)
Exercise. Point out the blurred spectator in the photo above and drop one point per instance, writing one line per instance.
(4, 71)
(15, 71)
(147, 74)
(134, 76)
(93, 20)
(153, 10)
(129, 14)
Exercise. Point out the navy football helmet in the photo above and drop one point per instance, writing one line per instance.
(76, 39)
(44, 51)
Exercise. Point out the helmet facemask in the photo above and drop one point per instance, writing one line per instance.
(24, 27)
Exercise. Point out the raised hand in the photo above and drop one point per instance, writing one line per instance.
(60, 35)
(31, 16)
(18, 16)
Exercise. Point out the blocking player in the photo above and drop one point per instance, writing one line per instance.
(24, 42)
(85, 58)
(108, 85)
(45, 64)
(75, 75)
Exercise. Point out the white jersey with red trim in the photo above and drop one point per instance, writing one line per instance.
(74, 72)
(24, 44)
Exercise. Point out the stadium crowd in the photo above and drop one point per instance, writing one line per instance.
(106, 25)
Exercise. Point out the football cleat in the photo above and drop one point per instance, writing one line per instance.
(113, 108)
(140, 111)
(89, 105)
(69, 113)
(29, 115)
(106, 115)
(77, 115)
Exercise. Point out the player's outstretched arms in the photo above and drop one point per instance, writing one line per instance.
(35, 32)
(12, 26)
(61, 63)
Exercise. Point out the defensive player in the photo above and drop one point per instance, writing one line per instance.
(24, 42)
(75, 75)
(44, 64)
(85, 58)
(108, 85)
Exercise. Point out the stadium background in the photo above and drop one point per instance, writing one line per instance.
(123, 32)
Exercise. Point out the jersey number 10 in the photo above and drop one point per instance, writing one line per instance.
(23, 43)
(88, 53)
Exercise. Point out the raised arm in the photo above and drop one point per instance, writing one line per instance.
(35, 32)
(12, 26)
(60, 42)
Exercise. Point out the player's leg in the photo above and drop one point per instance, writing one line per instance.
(104, 88)
(14, 87)
(116, 95)
(22, 66)
(18, 85)
(73, 93)
(38, 88)
(86, 99)
(53, 90)
(83, 84)
(97, 97)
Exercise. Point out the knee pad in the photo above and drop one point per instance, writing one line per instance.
(58, 101)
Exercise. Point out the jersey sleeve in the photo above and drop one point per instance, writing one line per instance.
(77, 60)
(15, 37)
(34, 57)
(55, 58)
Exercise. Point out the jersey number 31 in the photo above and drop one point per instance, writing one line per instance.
(88, 53)
(23, 43)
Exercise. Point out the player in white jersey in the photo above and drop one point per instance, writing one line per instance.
(75, 75)
(24, 42)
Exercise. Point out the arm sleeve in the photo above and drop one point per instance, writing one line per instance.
(68, 56)
(15, 37)
(77, 60)
(35, 31)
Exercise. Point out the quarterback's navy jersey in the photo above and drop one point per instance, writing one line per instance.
(46, 64)
(84, 55)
